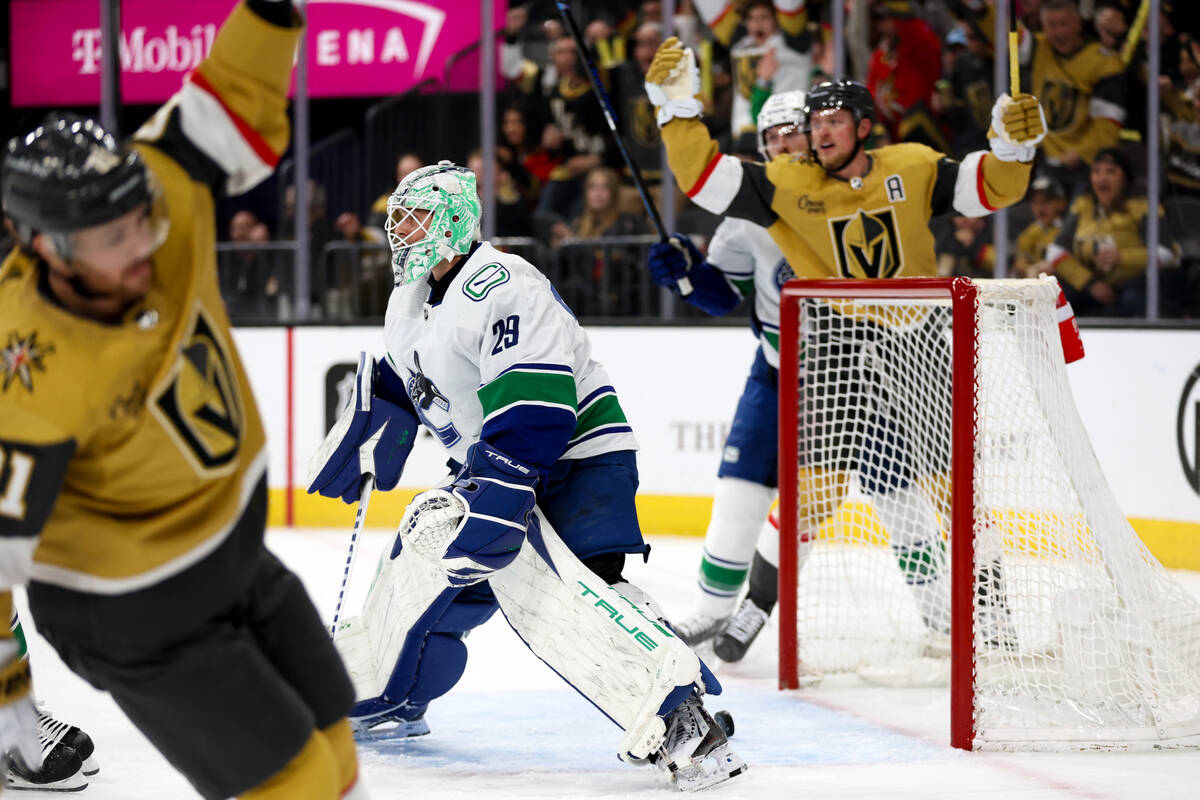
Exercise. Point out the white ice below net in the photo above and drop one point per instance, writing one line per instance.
(1108, 643)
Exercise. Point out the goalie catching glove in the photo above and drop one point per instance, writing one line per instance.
(1018, 125)
(673, 81)
(478, 526)
(372, 437)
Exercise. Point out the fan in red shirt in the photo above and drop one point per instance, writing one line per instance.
(904, 67)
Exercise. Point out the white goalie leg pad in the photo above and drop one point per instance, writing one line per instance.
(601, 642)
(403, 589)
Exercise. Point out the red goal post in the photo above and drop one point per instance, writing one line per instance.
(962, 294)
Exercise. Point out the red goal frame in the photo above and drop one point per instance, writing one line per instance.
(963, 296)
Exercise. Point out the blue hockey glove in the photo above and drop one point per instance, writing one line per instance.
(672, 261)
(480, 523)
(372, 437)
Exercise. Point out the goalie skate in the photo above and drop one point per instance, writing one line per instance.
(696, 752)
(378, 719)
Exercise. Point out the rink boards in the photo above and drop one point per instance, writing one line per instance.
(1137, 392)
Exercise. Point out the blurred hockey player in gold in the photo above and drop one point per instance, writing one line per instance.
(132, 456)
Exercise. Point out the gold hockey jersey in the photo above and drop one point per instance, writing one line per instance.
(1082, 95)
(873, 227)
(131, 449)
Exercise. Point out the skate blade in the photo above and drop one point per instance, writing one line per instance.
(718, 766)
(390, 729)
(91, 766)
(74, 783)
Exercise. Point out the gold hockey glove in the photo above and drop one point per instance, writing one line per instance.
(1018, 124)
(673, 81)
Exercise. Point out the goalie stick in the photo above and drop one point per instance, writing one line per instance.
(360, 519)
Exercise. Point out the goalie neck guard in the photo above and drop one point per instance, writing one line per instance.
(68, 174)
(419, 242)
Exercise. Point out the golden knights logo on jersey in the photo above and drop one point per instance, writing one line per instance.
(199, 403)
(1059, 101)
(867, 244)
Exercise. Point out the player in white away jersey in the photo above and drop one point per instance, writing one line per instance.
(742, 258)
(482, 350)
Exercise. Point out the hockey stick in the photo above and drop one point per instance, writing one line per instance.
(1014, 44)
(360, 518)
(610, 116)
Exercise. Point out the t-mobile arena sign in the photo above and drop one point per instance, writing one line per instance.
(355, 47)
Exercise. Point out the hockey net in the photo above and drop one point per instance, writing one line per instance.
(939, 497)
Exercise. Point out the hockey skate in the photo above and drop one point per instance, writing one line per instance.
(68, 754)
(378, 718)
(743, 627)
(699, 628)
(696, 752)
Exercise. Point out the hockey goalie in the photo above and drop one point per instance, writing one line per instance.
(539, 514)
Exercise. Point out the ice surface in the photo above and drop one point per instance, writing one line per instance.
(511, 729)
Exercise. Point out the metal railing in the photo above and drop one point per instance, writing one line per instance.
(599, 279)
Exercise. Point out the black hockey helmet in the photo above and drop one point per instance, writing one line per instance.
(68, 174)
(850, 95)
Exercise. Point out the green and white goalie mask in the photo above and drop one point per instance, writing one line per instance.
(432, 216)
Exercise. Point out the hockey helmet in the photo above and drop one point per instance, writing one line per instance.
(781, 108)
(850, 95)
(68, 174)
(450, 228)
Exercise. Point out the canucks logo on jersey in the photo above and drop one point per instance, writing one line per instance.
(432, 406)
(866, 244)
(783, 273)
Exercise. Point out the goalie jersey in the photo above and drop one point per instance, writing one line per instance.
(752, 262)
(491, 352)
(133, 449)
(827, 227)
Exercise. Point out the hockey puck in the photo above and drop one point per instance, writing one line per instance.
(725, 720)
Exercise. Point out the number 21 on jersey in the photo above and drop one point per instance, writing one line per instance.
(14, 482)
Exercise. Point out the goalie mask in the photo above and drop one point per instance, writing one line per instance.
(781, 108)
(432, 216)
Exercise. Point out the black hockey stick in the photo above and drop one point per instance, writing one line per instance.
(610, 116)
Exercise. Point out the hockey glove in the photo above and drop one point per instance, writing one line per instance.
(1018, 124)
(672, 260)
(673, 81)
(677, 260)
(479, 525)
(372, 437)
(18, 716)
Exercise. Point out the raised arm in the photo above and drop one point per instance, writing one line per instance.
(717, 183)
(227, 126)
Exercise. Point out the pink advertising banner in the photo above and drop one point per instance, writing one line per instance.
(355, 47)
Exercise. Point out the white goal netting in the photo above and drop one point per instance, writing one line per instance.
(1080, 637)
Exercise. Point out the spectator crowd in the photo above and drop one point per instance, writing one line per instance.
(566, 200)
